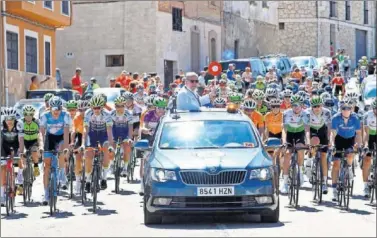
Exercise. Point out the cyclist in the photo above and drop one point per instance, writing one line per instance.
(271, 93)
(318, 122)
(274, 120)
(339, 83)
(370, 140)
(76, 139)
(71, 107)
(235, 98)
(286, 104)
(151, 121)
(294, 134)
(133, 109)
(46, 107)
(259, 84)
(54, 127)
(345, 134)
(259, 97)
(249, 108)
(123, 130)
(219, 103)
(29, 135)
(97, 128)
(10, 130)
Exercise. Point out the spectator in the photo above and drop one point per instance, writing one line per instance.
(247, 77)
(93, 85)
(117, 85)
(35, 84)
(201, 79)
(77, 82)
(112, 82)
(124, 80)
(230, 72)
(207, 76)
(188, 98)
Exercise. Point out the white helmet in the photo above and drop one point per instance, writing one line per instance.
(249, 104)
(9, 113)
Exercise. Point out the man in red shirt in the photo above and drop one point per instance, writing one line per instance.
(124, 80)
(339, 83)
(76, 82)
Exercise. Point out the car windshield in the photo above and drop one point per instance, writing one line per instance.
(270, 62)
(256, 66)
(37, 105)
(207, 134)
(300, 62)
(110, 94)
(370, 92)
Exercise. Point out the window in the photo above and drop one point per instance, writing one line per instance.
(31, 54)
(366, 12)
(177, 19)
(333, 10)
(253, 3)
(12, 50)
(48, 4)
(281, 25)
(348, 10)
(66, 8)
(236, 46)
(264, 4)
(213, 49)
(47, 58)
(114, 60)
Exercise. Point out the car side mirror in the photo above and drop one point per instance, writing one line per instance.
(142, 145)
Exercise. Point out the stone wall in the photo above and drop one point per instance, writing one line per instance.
(264, 41)
(297, 40)
(297, 9)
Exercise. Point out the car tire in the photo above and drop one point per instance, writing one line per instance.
(150, 218)
(272, 217)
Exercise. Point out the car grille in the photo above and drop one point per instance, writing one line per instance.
(213, 202)
(204, 178)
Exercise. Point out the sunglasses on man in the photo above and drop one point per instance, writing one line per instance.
(194, 81)
(318, 106)
(119, 106)
(96, 108)
(346, 108)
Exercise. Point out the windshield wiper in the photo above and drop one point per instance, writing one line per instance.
(205, 147)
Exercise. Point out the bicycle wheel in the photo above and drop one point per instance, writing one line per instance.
(372, 194)
(291, 187)
(31, 180)
(83, 192)
(117, 172)
(8, 193)
(51, 193)
(347, 192)
(314, 180)
(94, 187)
(25, 184)
(352, 179)
(70, 174)
(297, 185)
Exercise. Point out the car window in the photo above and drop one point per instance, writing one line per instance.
(370, 92)
(301, 62)
(286, 63)
(269, 62)
(256, 66)
(207, 134)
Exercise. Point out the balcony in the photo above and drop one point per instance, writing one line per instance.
(35, 11)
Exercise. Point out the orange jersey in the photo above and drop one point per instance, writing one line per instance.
(257, 118)
(78, 124)
(274, 123)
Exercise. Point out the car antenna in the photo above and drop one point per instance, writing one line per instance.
(174, 109)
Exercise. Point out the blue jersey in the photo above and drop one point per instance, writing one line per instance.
(121, 124)
(55, 126)
(346, 130)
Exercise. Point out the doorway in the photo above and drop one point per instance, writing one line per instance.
(168, 73)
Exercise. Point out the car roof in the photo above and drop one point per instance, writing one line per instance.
(52, 90)
(302, 57)
(206, 114)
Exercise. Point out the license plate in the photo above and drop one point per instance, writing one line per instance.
(215, 191)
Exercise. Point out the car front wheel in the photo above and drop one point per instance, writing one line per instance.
(150, 218)
(272, 217)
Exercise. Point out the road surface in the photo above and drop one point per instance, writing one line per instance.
(122, 215)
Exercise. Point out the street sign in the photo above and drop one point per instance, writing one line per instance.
(214, 68)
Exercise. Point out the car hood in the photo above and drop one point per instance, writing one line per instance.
(201, 159)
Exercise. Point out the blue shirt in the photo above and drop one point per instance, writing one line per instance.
(191, 101)
(229, 74)
(348, 130)
(55, 126)
(294, 87)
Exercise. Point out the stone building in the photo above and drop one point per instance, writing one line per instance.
(27, 45)
(319, 28)
(249, 28)
(140, 36)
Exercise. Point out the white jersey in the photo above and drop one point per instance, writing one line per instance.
(97, 123)
(317, 122)
(371, 122)
(295, 122)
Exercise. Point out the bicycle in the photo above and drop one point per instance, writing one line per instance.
(344, 184)
(71, 174)
(275, 144)
(53, 181)
(317, 174)
(96, 174)
(117, 165)
(82, 178)
(131, 165)
(10, 189)
(372, 181)
(28, 174)
(294, 174)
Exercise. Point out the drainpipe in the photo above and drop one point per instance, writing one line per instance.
(3, 73)
(318, 28)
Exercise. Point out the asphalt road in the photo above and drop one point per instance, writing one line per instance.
(122, 215)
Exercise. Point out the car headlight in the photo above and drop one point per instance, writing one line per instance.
(261, 174)
(162, 175)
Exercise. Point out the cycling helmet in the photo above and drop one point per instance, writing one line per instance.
(329, 102)
(222, 81)
(103, 96)
(307, 103)
(297, 99)
(149, 100)
(352, 95)
(249, 104)
(88, 96)
(315, 92)
(316, 101)
(303, 94)
(275, 102)
(235, 97)
(374, 103)
(271, 92)
(128, 95)
(119, 100)
(219, 101)
(55, 103)
(301, 88)
(223, 76)
(258, 95)
(287, 93)
(160, 102)
(328, 89)
(320, 91)
(97, 101)
(273, 85)
(138, 98)
(289, 87)
(71, 104)
(83, 104)
(48, 96)
(249, 92)
(9, 113)
(325, 96)
(28, 110)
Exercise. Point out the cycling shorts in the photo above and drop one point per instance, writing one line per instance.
(296, 138)
(92, 140)
(78, 140)
(371, 143)
(343, 143)
(6, 146)
(52, 142)
(272, 135)
(31, 145)
(321, 133)
(338, 89)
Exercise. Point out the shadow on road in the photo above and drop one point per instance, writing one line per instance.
(359, 197)
(101, 212)
(14, 216)
(88, 203)
(32, 204)
(122, 192)
(132, 182)
(58, 215)
(304, 209)
(356, 211)
(210, 222)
